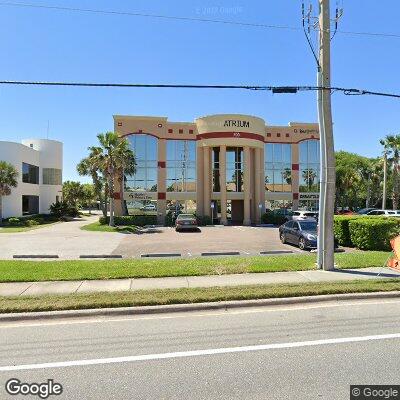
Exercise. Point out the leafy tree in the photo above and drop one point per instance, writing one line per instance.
(391, 144)
(89, 195)
(287, 175)
(8, 180)
(73, 193)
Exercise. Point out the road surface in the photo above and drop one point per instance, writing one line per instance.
(283, 352)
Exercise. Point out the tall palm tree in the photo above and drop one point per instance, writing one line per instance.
(88, 166)
(391, 144)
(8, 180)
(114, 156)
(309, 175)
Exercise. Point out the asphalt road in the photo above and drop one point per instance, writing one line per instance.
(303, 352)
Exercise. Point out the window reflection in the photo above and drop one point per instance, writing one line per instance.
(309, 166)
(145, 150)
(181, 166)
(278, 167)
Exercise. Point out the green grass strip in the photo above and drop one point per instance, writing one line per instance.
(189, 295)
(26, 271)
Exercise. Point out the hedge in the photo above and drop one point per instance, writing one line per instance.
(341, 229)
(125, 220)
(373, 233)
(273, 218)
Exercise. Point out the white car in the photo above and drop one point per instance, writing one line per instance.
(385, 213)
(302, 215)
(149, 207)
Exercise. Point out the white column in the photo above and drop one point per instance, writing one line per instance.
(222, 183)
(207, 181)
(246, 186)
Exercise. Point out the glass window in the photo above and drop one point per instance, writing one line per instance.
(30, 173)
(30, 205)
(309, 166)
(145, 150)
(278, 167)
(52, 176)
(181, 165)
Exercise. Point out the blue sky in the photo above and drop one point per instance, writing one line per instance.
(38, 44)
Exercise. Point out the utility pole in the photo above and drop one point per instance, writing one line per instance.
(322, 24)
(384, 179)
(328, 178)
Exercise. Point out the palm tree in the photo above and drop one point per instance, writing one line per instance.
(391, 144)
(8, 180)
(309, 175)
(113, 157)
(88, 166)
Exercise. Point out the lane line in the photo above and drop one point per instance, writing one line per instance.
(196, 353)
(229, 312)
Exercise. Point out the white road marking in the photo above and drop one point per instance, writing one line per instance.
(183, 314)
(196, 353)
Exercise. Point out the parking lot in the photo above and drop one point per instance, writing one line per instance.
(68, 241)
(219, 239)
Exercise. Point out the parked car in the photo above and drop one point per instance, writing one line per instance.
(302, 215)
(385, 213)
(364, 211)
(300, 233)
(149, 207)
(185, 222)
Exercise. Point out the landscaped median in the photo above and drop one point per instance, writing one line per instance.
(34, 271)
(193, 295)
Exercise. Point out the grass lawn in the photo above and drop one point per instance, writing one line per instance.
(16, 229)
(193, 295)
(20, 271)
(97, 227)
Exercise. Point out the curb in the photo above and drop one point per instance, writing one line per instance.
(172, 308)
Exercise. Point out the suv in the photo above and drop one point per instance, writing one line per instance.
(385, 213)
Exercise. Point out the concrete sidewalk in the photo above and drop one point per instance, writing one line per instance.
(114, 285)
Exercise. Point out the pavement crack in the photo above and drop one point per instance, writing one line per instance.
(187, 281)
(27, 288)
(78, 287)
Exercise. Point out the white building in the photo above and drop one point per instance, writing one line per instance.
(39, 165)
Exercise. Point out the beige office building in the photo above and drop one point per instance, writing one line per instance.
(229, 166)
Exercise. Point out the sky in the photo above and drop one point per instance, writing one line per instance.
(55, 45)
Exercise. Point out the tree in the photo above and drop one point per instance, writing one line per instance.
(391, 144)
(309, 175)
(89, 195)
(73, 193)
(8, 180)
(88, 166)
(113, 158)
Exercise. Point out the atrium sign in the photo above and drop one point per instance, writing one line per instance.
(237, 123)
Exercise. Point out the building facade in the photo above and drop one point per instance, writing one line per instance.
(39, 165)
(228, 166)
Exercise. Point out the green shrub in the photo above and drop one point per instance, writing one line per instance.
(341, 229)
(203, 220)
(273, 218)
(62, 209)
(31, 222)
(14, 222)
(373, 233)
(126, 220)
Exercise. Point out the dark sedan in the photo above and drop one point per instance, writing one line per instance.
(186, 222)
(300, 233)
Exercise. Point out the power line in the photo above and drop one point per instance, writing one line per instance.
(273, 89)
(190, 19)
(135, 14)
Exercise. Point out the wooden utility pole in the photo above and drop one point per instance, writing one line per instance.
(329, 174)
